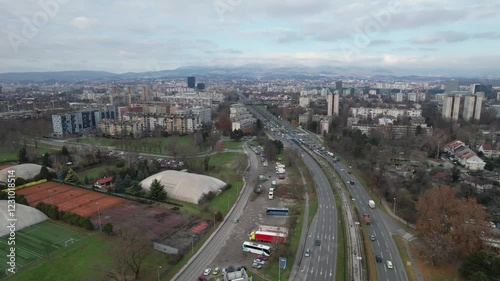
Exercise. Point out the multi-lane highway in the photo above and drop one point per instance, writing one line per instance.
(382, 227)
(321, 237)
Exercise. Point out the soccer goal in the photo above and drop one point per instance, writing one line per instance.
(69, 242)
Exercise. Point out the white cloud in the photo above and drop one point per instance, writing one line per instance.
(82, 22)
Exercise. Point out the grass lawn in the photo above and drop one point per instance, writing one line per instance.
(445, 272)
(7, 153)
(236, 145)
(41, 241)
(95, 172)
(148, 145)
(81, 261)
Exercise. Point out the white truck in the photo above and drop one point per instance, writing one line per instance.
(371, 203)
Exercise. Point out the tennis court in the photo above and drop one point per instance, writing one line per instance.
(69, 198)
(39, 241)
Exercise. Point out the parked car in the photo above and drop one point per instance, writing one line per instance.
(308, 252)
(230, 268)
(389, 264)
(256, 265)
(202, 278)
(259, 261)
(216, 270)
(207, 271)
(240, 267)
(262, 258)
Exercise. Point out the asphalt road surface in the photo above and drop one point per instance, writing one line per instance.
(382, 227)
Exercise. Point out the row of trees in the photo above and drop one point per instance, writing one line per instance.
(54, 213)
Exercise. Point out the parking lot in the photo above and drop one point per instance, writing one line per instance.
(231, 253)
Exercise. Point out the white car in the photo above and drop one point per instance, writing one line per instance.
(207, 271)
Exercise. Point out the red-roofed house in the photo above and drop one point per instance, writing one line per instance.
(489, 151)
(465, 155)
(100, 183)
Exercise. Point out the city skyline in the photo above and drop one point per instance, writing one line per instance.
(446, 38)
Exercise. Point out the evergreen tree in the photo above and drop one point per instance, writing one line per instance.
(44, 173)
(157, 191)
(46, 160)
(71, 177)
(118, 184)
(127, 181)
(141, 175)
(63, 172)
(22, 155)
(135, 189)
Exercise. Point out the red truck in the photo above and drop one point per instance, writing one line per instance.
(367, 219)
(267, 236)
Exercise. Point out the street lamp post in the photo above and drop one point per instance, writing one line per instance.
(99, 214)
(279, 269)
(192, 244)
(159, 272)
(394, 206)
(50, 193)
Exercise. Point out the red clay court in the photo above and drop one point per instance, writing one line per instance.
(6, 166)
(69, 198)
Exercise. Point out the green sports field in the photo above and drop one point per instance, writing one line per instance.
(39, 241)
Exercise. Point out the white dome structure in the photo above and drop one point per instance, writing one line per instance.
(184, 186)
(24, 171)
(25, 215)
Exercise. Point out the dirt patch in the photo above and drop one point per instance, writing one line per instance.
(152, 222)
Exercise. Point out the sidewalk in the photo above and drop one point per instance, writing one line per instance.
(389, 211)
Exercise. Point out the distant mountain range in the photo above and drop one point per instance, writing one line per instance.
(251, 71)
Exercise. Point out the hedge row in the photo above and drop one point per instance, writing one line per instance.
(74, 219)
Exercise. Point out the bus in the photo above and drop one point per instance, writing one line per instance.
(277, 211)
(255, 248)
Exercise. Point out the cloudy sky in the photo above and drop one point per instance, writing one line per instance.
(437, 37)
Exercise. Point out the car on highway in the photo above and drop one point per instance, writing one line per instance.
(351, 182)
(216, 270)
(378, 258)
(317, 242)
(207, 271)
(307, 252)
(389, 265)
(372, 237)
(256, 265)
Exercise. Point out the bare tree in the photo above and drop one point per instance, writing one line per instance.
(450, 226)
(129, 254)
